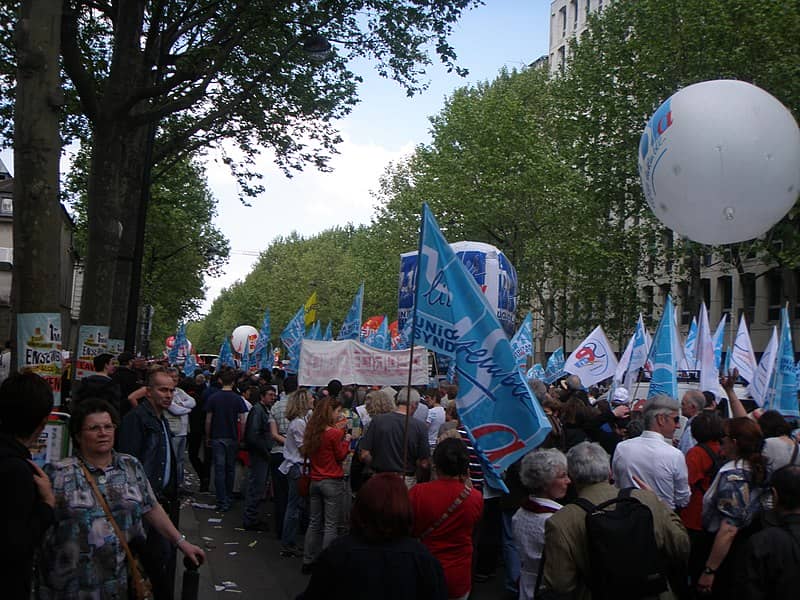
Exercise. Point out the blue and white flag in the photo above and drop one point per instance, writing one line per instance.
(706, 359)
(763, 375)
(226, 355)
(261, 352)
(245, 363)
(782, 391)
(314, 332)
(180, 346)
(522, 342)
(555, 367)
(662, 356)
(535, 372)
(593, 360)
(380, 338)
(743, 358)
(328, 335)
(453, 317)
(718, 339)
(690, 347)
(639, 353)
(727, 369)
(189, 366)
(292, 338)
(404, 339)
(351, 328)
(797, 374)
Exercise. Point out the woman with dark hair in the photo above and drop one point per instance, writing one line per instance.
(27, 501)
(731, 505)
(391, 564)
(82, 555)
(779, 447)
(701, 462)
(445, 514)
(325, 445)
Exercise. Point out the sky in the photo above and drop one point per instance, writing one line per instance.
(385, 126)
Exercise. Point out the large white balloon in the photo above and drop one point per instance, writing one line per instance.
(244, 336)
(719, 162)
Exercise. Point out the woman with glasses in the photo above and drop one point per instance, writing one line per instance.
(731, 506)
(82, 555)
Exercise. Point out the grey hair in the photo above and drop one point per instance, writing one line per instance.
(587, 463)
(405, 395)
(696, 398)
(660, 404)
(540, 467)
(539, 388)
(574, 382)
(378, 402)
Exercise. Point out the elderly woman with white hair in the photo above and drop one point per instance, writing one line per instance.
(544, 473)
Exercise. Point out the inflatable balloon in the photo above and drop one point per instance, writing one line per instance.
(719, 162)
(244, 337)
(170, 342)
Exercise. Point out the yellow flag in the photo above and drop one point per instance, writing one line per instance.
(311, 309)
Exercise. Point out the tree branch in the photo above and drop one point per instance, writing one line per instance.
(73, 63)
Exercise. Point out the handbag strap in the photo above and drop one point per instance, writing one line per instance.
(794, 453)
(101, 499)
(456, 503)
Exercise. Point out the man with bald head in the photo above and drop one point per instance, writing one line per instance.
(692, 403)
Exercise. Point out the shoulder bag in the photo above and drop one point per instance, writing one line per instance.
(450, 510)
(142, 589)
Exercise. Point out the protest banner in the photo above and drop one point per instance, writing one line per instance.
(39, 348)
(92, 340)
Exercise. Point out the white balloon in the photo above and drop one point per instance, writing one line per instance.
(719, 162)
(244, 336)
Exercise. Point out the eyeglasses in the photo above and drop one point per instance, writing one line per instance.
(105, 428)
(677, 420)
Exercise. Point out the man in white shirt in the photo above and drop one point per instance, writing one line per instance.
(692, 403)
(652, 458)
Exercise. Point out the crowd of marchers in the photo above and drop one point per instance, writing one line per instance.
(667, 498)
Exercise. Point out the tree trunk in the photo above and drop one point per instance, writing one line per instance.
(37, 149)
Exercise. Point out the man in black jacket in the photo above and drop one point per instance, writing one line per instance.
(258, 440)
(772, 561)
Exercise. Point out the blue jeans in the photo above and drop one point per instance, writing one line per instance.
(224, 452)
(179, 448)
(325, 500)
(257, 483)
(291, 519)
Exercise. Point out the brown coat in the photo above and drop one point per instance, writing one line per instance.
(566, 558)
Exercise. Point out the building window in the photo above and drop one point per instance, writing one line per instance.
(588, 8)
(6, 207)
(705, 287)
(725, 290)
(774, 295)
(748, 297)
(667, 240)
(686, 308)
(562, 58)
(664, 291)
(599, 5)
(647, 298)
(562, 13)
(574, 4)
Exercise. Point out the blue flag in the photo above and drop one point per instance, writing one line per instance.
(180, 346)
(662, 355)
(189, 366)
(797, 374)
(226, 355)
(522, 342)
(292, 337)
(555, 367)
(351, 328)
(719, 337)
(535, 372)
(404, 341)
(782, 391)
(328, 335)
(315, 333)
(453, 317)
(262, 358)
(380, 338)
(689, 348)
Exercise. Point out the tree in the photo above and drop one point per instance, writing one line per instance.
(206, 71)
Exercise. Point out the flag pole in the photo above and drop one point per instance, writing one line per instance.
(413, 336)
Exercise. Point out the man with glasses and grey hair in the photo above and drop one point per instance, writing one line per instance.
(651, 458)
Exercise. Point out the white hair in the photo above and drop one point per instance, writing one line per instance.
(540, 467)
(587, 463)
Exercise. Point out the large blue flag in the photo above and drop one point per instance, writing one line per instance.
(180, 346)
(718, 339)
(453, 317)
(522, 342)
(782, 391)
(663, 356)
(555, 367)
(690, 347)
(189, 365)
(328, 335)
(351, 328)
(226, 355)
(404, 339)
(535, 372)
(292, 337)
(315, 333)
(380, 338)
(263, 360)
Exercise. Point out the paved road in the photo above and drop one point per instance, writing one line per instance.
(251, 560)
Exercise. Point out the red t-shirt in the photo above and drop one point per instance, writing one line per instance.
(326, 462)
(698, 462)
(451, 542)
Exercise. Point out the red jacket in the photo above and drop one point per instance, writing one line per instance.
(326, 462)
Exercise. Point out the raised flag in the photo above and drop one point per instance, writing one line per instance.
(380, 338)
(226, 354)
(624, 361)
(706, 360)
(690, 347)
(662, 356)
(593, 360)
(727, 369)
(292, 338)
(180, 347)
(535, 372)
(315, 333)
(328, 335)
(351, 328)
(555, 366)
(310, 308)
(782, 391)
(522, 342)
(718, 339)
(404, 339)
(189, 365)
(262, 343)
(453, 317)
(763, 375)
(639, 353)
(743, 358)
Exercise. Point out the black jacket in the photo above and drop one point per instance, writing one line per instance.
(772, 563)
(257, 436)
(142, 435)
(24, 519)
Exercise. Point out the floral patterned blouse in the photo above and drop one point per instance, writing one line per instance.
(81, 556)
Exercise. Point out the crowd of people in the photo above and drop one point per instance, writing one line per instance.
(670, 498)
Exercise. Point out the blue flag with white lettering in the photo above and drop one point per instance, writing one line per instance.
(292, 337)
(263, 360)
(380, 338)
(535, 372)
(522, 342)
(351, 328)
(662, 356)
(404, 341)
(453, 317)
(782, 391)
(226, 355)
(555, 367)
(180, 347)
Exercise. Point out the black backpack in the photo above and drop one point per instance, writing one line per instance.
(717, 460)
(622, 529)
